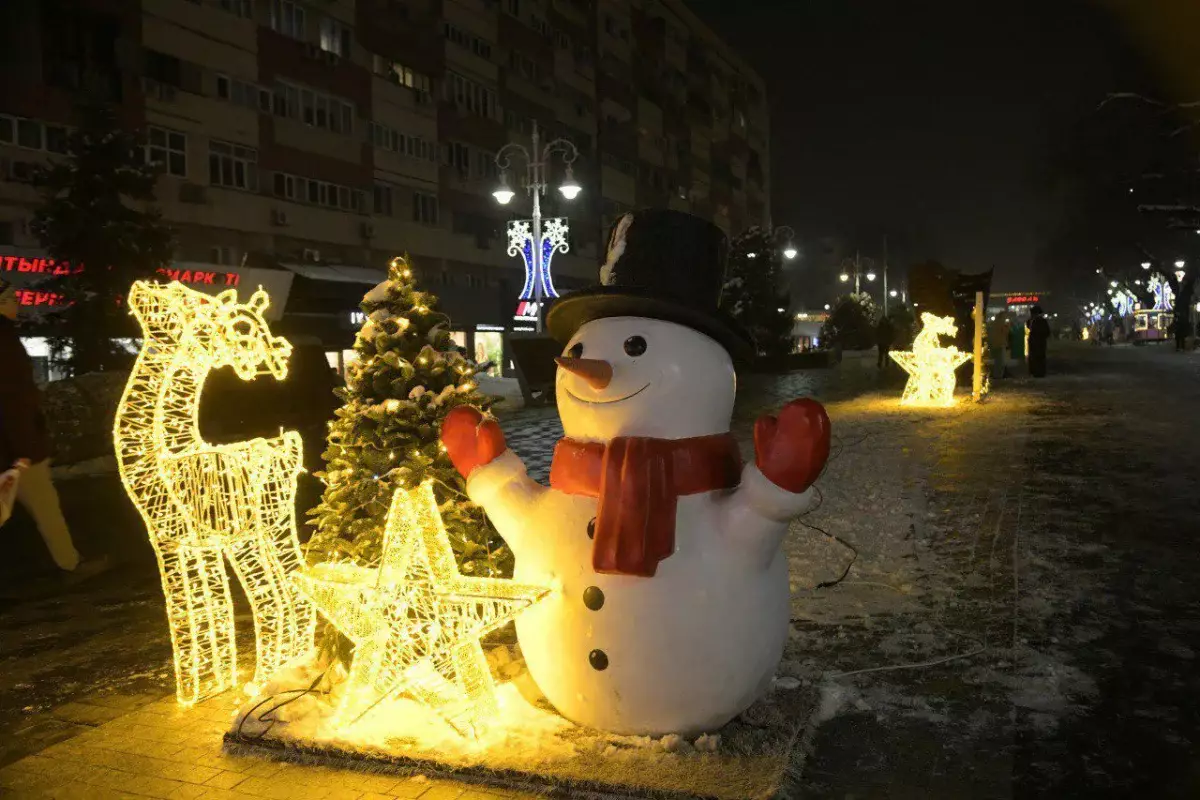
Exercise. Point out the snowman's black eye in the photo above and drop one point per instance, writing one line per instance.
(635, 346)
(576, 350)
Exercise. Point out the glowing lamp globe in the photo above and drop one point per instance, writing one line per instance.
(503, 195)
(1145, 265)
(843, 277)
(870, 276)
(789, 252)
(893, 293)
(570, 188)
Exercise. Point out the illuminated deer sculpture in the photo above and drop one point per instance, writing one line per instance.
(203, 503)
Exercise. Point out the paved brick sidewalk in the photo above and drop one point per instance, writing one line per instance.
(144, 747)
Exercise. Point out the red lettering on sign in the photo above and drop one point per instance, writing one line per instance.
(1021, 299)
(232, 279)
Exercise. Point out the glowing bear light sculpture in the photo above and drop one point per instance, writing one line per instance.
(415, 620)
(930, 366)
(201, 502)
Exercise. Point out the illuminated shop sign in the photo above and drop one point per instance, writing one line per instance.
(50, 267)
(1021, 299)
(527, 311)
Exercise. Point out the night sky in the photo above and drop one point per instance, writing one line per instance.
(927, 120)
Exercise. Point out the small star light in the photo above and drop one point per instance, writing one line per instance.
(416, 620)
(205, 503)
(930, 366)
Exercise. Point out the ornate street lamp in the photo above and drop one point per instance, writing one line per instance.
(536, 240)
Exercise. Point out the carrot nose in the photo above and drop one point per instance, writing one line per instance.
(597, 373)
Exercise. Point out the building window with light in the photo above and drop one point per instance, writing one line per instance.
(335, 37)
(167, 149)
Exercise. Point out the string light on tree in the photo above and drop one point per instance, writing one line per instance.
(931, 366)
(203, 503)
(416, 620)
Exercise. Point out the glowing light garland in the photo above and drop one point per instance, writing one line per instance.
(1164, 296)
(415, 620)
(930, 366)
(554, 240)
(203, 503)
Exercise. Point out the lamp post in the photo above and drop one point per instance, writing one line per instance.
(527, 237)
(859, 268)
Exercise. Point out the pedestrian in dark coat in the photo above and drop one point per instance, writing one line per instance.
(1039, 335)
(25, 441)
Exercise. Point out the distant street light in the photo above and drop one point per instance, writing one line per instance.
(1180, 264)
(827, 306)
(1145, 265)
(870, 276)
(893, 293)
(859, 268)
(785, 234)
(843, 277)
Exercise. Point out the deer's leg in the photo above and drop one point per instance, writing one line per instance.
(200, 615)
(283, 618)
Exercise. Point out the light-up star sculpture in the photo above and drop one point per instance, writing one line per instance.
(416, 621)
(538, 282)
(930, 366)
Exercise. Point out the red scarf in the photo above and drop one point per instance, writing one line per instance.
(638, 481)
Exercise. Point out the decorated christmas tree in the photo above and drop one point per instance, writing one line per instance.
(408, 375)
(752, 295)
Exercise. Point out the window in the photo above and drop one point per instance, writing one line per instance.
(163, 68)
(541, 26)
(29, 134)
(285, 186)
(168, 148)
(224, 255)
(313, 108)
(387, 138)
(381, 197)
(405, 76)
(232, 166)
(467, 40)
(243, 94)
(239, 8)
(485, 165)
(335, 37)
(471, 96)
(287, 18)
(317, 193)
(512, 7)
(425, 208)
(562, 40)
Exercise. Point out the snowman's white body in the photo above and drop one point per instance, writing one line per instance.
(688, 649)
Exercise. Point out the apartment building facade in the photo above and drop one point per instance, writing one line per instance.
(320, 138)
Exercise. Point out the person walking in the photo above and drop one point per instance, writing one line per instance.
(884, 335)
(1039, 335)
(998, 331)
(25, 443)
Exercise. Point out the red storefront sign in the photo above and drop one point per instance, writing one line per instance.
(1021, 299)
(50, 267)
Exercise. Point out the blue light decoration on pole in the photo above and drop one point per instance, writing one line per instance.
(534, 241)
(539, 282)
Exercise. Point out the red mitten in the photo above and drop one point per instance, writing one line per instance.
(791, 450)
(471, 440)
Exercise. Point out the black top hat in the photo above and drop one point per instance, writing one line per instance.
(662, 264)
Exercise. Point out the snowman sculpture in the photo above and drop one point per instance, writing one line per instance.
(671, 601)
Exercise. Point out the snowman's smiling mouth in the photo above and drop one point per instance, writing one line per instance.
(605, 402)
